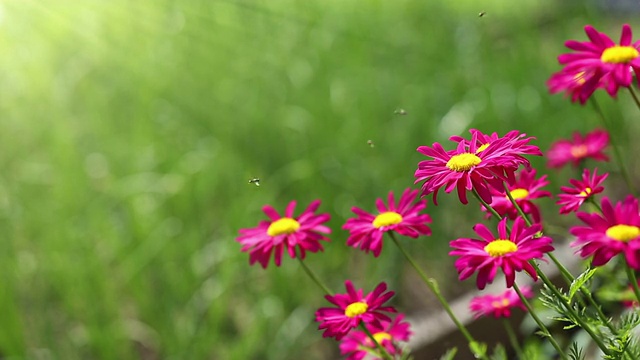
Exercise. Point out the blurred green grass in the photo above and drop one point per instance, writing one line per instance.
(131, 130)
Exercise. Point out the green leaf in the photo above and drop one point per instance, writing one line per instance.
(499, 353)
(450, 354)
(580, 281)
(478, 349)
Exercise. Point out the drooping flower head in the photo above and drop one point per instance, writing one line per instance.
(301, 234)
(367, 230)
(509, 252)
(523, 189)
(499, 306)
(573, 197)
(357, 345)
(601, 62)
(480, 163)
(353, 308)
(591, 146)
(616, 231)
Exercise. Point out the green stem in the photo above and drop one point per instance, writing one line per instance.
(631, 274)
(433, 286)
(315, 278)
(616, 151)
(383, 351)
(541, 325)
(635, 97)
(515, 204)
(570, 309)
(513, 338)
(486, 205)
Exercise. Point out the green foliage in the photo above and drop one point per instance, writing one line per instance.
(450, 354)
(581, 281)
(575, 352)
(499, 353)
(478, 349)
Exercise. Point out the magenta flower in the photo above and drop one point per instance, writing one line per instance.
(591, 146)
(523, 189)
(582, 190)
(510, 252)
(353, 308)
(499, 305)
(367, 230)
(579, 83)
(285, 232)
(357, 345)
(601, 62)
(614, 232)
(473, 165)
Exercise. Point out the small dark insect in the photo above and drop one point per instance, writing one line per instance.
(370, 143)
(482, 13)
(255, 181)
(400, 112)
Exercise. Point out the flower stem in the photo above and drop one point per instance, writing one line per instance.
(315, 278)
(616, 151)
(631, 274)
(570, 309)
(486, 205)
(634, 96)
(433, 286)
(513, 339)
(383, 352)
(541, 325)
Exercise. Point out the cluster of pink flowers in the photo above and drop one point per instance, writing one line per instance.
(497, 172)
(597, 63)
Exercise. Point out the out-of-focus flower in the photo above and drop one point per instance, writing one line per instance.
(303, 233)
(480, 163)
(499, 305)
(591, 146)
(614, 232)
(367, 230)
(353, 308)
(579, 84)
(357, 345)
(509, 252)
(523, 189)
(573, 197)
(599, 62)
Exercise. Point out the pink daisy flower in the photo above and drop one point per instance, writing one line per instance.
(601, 58)
(584, 189)
(614, 232)
(367, 230)
(591, 146)
(579, 84)
(510, 252)
(474, 164)
(303, 233)
(523, 189)
(353, 308)
(499, 305)
(357, 345)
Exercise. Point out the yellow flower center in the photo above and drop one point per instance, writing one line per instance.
(283, 226)
(623, 233)
(586, 192)
(379, 336)
(518, 194)
(463, 162)
(619, 54)
(579, 78)
(482, 148)
(386, 219)
(579, 151)
(355, 309)
(500, 247)
(500, 304)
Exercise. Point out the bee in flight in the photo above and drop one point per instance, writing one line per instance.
(482, 13)
(255, 181)
(370, 143)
